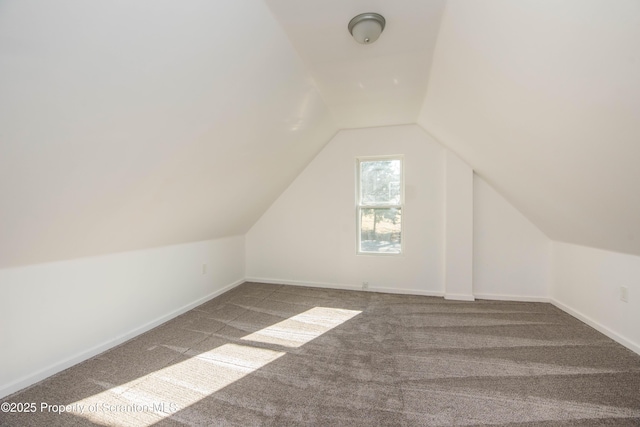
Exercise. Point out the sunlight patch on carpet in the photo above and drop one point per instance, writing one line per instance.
(156, 396)
(153, 397)
(302, 328)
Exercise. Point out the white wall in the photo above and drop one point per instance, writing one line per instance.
(58, 314)
(491, 250)
(511, 256)
(308, 235)
(458, 219)
(586, 284)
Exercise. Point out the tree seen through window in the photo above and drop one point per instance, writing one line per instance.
(380, 206)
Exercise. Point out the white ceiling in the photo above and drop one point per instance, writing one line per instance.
(131, 125)
(365, 85)
(542, 98)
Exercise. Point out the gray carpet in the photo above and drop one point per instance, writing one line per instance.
(281, 355)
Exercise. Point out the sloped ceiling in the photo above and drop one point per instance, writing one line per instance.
(365, 85)
(128, 125)
(542, 98)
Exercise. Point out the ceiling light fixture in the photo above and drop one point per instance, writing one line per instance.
(366, 27)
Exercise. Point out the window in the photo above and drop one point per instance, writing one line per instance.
(379, 200)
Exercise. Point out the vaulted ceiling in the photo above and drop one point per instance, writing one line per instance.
(542, 98)
(365, 85)
(127, 125)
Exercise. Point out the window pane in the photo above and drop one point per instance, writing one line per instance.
(380, 182)
(380, 230)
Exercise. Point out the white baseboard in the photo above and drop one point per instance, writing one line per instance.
(516, 298)
(407, 292)
(345, 287)
(459, 297)
(60, 366)
(598, 326)
(303, 283)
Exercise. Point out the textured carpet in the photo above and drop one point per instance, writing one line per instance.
(280, 355)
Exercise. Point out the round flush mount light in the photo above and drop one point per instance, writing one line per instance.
(366, 27)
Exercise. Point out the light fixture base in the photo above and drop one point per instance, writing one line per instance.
(372, 25)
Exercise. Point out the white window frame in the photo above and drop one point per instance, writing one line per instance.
(360, 206)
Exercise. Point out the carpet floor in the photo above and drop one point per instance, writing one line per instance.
(278, 355)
